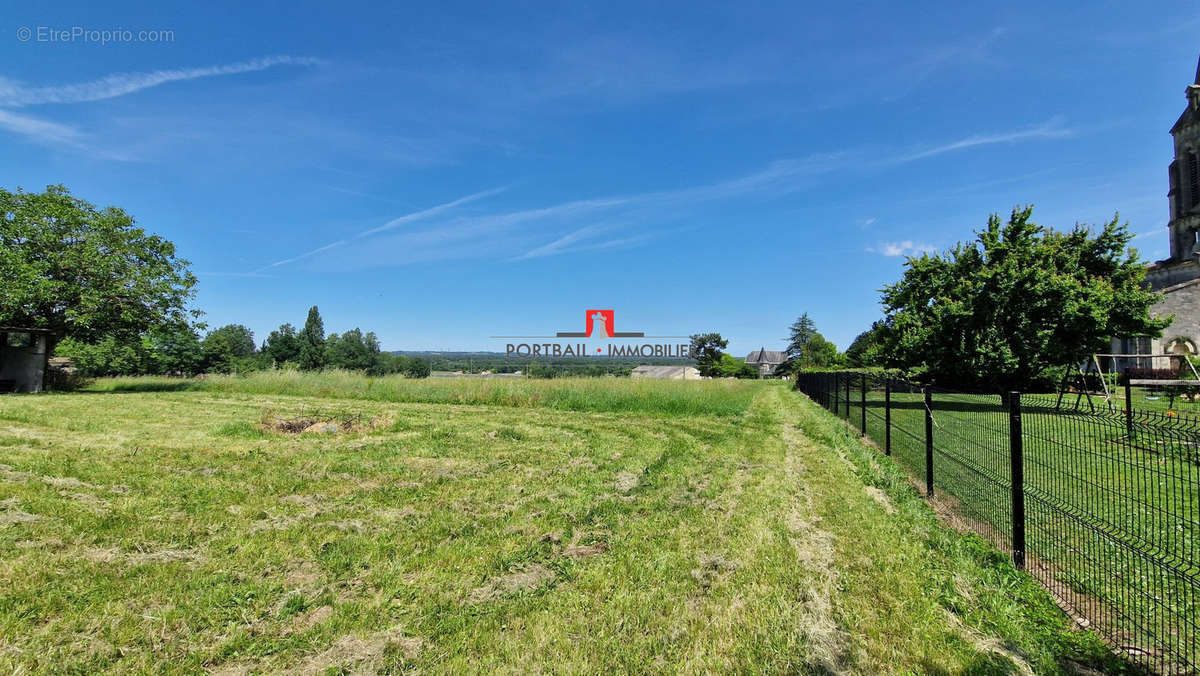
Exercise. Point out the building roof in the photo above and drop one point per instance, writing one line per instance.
(764, 356)
(1192, 114)
(662, 371)
(23, 329)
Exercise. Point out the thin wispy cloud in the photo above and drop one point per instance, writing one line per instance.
(395, 223)
(17, 95)
(904, 248)
(1051, 129)
(42, 131)
(302, 256)
(430, 212)
(497, 233)
(577, 241)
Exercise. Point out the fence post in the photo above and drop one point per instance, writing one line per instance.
(928, 441)
(834, 391)
(1016, 455)
(1128, 407)
(887, 417)
(863, 400)
(849, 382)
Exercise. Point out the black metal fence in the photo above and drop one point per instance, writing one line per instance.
(1099, 502)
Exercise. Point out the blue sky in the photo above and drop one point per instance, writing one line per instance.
(441, 173)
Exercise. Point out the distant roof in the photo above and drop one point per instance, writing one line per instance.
(23, 329)
(661, 371)
(1191, 114)
(762, 356)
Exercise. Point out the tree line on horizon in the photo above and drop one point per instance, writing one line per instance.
(1005, 310)
(177, 349)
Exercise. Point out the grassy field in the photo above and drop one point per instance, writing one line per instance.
(719, 398)
(1114, 527)
(544, 526)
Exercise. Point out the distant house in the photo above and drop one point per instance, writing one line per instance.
(766, 361)
(666, 372)
(23, 358)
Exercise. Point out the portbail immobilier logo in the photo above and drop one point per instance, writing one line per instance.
(599, 325)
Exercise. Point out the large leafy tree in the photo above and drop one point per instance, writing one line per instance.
(864, 349)
(1001, 311)
(238, 338)
(312, 341)
(352, 350)
(706, 349)
(84, 272)
(283, 345)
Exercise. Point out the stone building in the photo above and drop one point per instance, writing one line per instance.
(1177, 277)
(666, 372)
(766, 361)
(23, 358)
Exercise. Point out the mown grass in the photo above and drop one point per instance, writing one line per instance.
(1108, 522)
(167, 532)
(614, 395)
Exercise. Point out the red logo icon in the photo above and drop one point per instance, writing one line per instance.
(601, 322)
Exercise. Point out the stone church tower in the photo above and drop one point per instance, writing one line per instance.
(1178, 277)
(1184, 196)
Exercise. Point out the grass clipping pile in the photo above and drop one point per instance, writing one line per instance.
(320, 423)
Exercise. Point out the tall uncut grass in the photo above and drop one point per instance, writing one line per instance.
(664, 397)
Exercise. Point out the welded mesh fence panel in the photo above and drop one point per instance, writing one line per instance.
(1113, 524)
(972, 461)
(1110, 497)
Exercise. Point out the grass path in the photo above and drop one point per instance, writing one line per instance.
(165, 532)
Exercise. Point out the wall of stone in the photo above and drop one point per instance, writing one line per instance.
(1184, 303)
(25, 365)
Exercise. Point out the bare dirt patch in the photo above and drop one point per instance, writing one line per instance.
(302, 574)
(320, 423)
(362, 654)
(115, 555)
(527, 578)
(311, 506)
(581, 462)
(713, 568)
(65, 482)
(87, 500)
(11, 513)
(878, 495)
(575, 550)
(626, 481)
(312, 618)
(9, 474)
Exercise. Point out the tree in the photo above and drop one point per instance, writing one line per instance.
(312, 341)
(218, 353)
(730, 366)
(800, 335)
(822, 353)
(108, 356)
(1000, 312)
(84, 272)
(352, 351)
(239, 338)
(417, 368)
(177, 349)
(864, 350)
(706, 349)
(283, 345)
